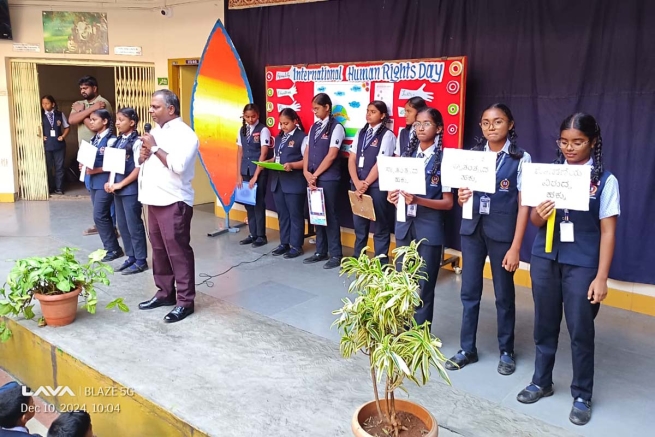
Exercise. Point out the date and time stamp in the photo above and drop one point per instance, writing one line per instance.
(96, 400)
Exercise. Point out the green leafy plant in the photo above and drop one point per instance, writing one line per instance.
(379, 322)
(53, 275)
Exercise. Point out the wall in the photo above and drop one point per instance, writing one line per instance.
(184, 34)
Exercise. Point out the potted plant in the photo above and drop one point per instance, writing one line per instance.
(56, 281)
(380, 324)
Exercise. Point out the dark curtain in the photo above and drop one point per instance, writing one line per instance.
(545, 59)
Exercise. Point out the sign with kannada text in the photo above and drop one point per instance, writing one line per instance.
(470, 169)
(568, 185)
(406, 174)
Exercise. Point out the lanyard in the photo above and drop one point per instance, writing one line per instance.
(566, 215)
(283, 141)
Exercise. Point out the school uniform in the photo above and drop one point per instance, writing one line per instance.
(491, 232)
(290, 190)
(319, 142)
(54, 123)
(129, 209)
(367, 146)
(102, 201)
(404, 138)
(423, 222)
(251, 142)
(561, 279)
(17, 431)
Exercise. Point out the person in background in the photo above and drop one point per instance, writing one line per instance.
(80, 116)
(72, 424)
(16, 410)
(55, 130)
(406, 134)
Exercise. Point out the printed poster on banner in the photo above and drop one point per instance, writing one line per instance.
(352, 86)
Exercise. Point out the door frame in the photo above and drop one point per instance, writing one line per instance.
(174, 71)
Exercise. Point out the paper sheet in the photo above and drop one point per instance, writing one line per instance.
(569, 186)
(317, 207)
(245, 195)
(86, 154)
(401, 209)
(467, 208)
(406, 174)
(114, 160)
(469, 169)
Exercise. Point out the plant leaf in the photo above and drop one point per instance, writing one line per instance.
(42, 322)
(28, 312)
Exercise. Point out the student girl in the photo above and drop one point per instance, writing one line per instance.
(496, 230)
(425, 214)
(289, 186)
(573, 276)
(412, 107)
(55, 130)
(254, 140)
(100, 121)
(322, 169)
(126, 193)
(372, 140)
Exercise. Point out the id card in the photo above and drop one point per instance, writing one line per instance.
(566, 232)
(485, 204)
(53, 134)
(361, 162)
(411, 210)
(277, 159)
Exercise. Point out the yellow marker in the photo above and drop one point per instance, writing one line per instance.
(550, 231)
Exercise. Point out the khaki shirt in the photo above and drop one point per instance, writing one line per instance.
(83, 132)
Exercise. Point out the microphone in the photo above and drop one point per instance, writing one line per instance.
(147, 127)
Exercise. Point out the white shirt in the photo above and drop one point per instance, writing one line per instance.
(136, 149)
(338, 135)
(64, 120)
(411, 132)
(519, 173)
(610, 198)
(264, 135)
(387, 144)
(426, 160)
(160, 185)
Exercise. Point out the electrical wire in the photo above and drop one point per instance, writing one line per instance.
(208, 278)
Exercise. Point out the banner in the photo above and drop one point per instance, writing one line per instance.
(352, 86)
(244, 4)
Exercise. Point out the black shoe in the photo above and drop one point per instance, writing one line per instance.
(114, 254)
(59, 192)
(178, 313)
(580, 412)
(248, 240)
(315, 258)
(293, 253)
(280, 250)
(126, 265)
(135, 268)
(260, 241)
(156, 303)
(333, 263)
(507, 364)
(461, 359)
(533, 393)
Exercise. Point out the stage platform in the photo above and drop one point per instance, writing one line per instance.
(258, 358)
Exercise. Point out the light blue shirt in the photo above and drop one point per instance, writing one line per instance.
(610, 198)
(519, 173)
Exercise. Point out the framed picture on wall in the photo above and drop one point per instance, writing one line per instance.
(83, 33)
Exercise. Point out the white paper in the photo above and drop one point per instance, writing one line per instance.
(567, 185)
(400, 209)
(467, 208)
(406, 174)
(384, 91)
(112, 178)
(316, 208)
(114, 160)
(83, 174)
(469, 169)
(86, 154)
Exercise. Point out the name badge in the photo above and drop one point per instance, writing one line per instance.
(566, 232)
(411, 210)
(277, 159)
(361, 161)
(485, 204)
(53, 134)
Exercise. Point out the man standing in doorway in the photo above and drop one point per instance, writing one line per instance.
(167, 158)
(80, 113)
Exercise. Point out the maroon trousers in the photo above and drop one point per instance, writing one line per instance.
(173, 263)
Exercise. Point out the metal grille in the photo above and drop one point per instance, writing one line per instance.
(134, 88)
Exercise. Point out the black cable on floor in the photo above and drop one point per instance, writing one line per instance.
(208, 278)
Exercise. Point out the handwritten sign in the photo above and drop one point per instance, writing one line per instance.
(114, 160)
(469, 169)
(406, 174)
(567, 185)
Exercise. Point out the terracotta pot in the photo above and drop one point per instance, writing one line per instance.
(369, 409)
(60, 309)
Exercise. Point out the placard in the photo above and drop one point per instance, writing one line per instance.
(405, 174)
(568, 185)
(86, 154)
(470, 169)
(113, 160)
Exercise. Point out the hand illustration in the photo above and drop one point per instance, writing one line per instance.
(295, 106)
(408, 94)
(288, 92)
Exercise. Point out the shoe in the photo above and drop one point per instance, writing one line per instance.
(312, 241)
(247, 240)
(507, 364)
(280, 250)
(135, 268)
(333, 263)
(114, 254)
(260, 241)
(533, 393)
(126, 264)
(293, 253)
(461, 359)
(580, 412)
(91, 231)
(315, 258)
(178, 313)
(156, 303)
(59, 192)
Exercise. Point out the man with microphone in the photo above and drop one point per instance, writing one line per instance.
(167, 159)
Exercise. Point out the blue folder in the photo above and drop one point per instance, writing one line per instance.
(245, 195)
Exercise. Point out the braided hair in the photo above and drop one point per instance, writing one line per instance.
(105, 115)
(325, 100)
(244, 125)
(586, 124)
(384, 126)
(515, 151)
(132, 115)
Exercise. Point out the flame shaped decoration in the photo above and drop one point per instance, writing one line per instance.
(219, 95)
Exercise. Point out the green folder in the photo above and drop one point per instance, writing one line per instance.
(270, 165)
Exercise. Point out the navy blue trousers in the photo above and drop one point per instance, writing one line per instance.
(54, 161)
(291, 215)
(102, 206)
(130, 224)
(329, 237)
(555, 287)
(432, 257)
(257, 212)
(383, 224)
(475, 249)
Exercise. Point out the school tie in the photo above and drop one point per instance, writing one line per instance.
(420, 155)
(248, 133)
(499, 158)
(285, 138)
(319, 130)
(95, 141)
(369, 137)
(51, 119)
